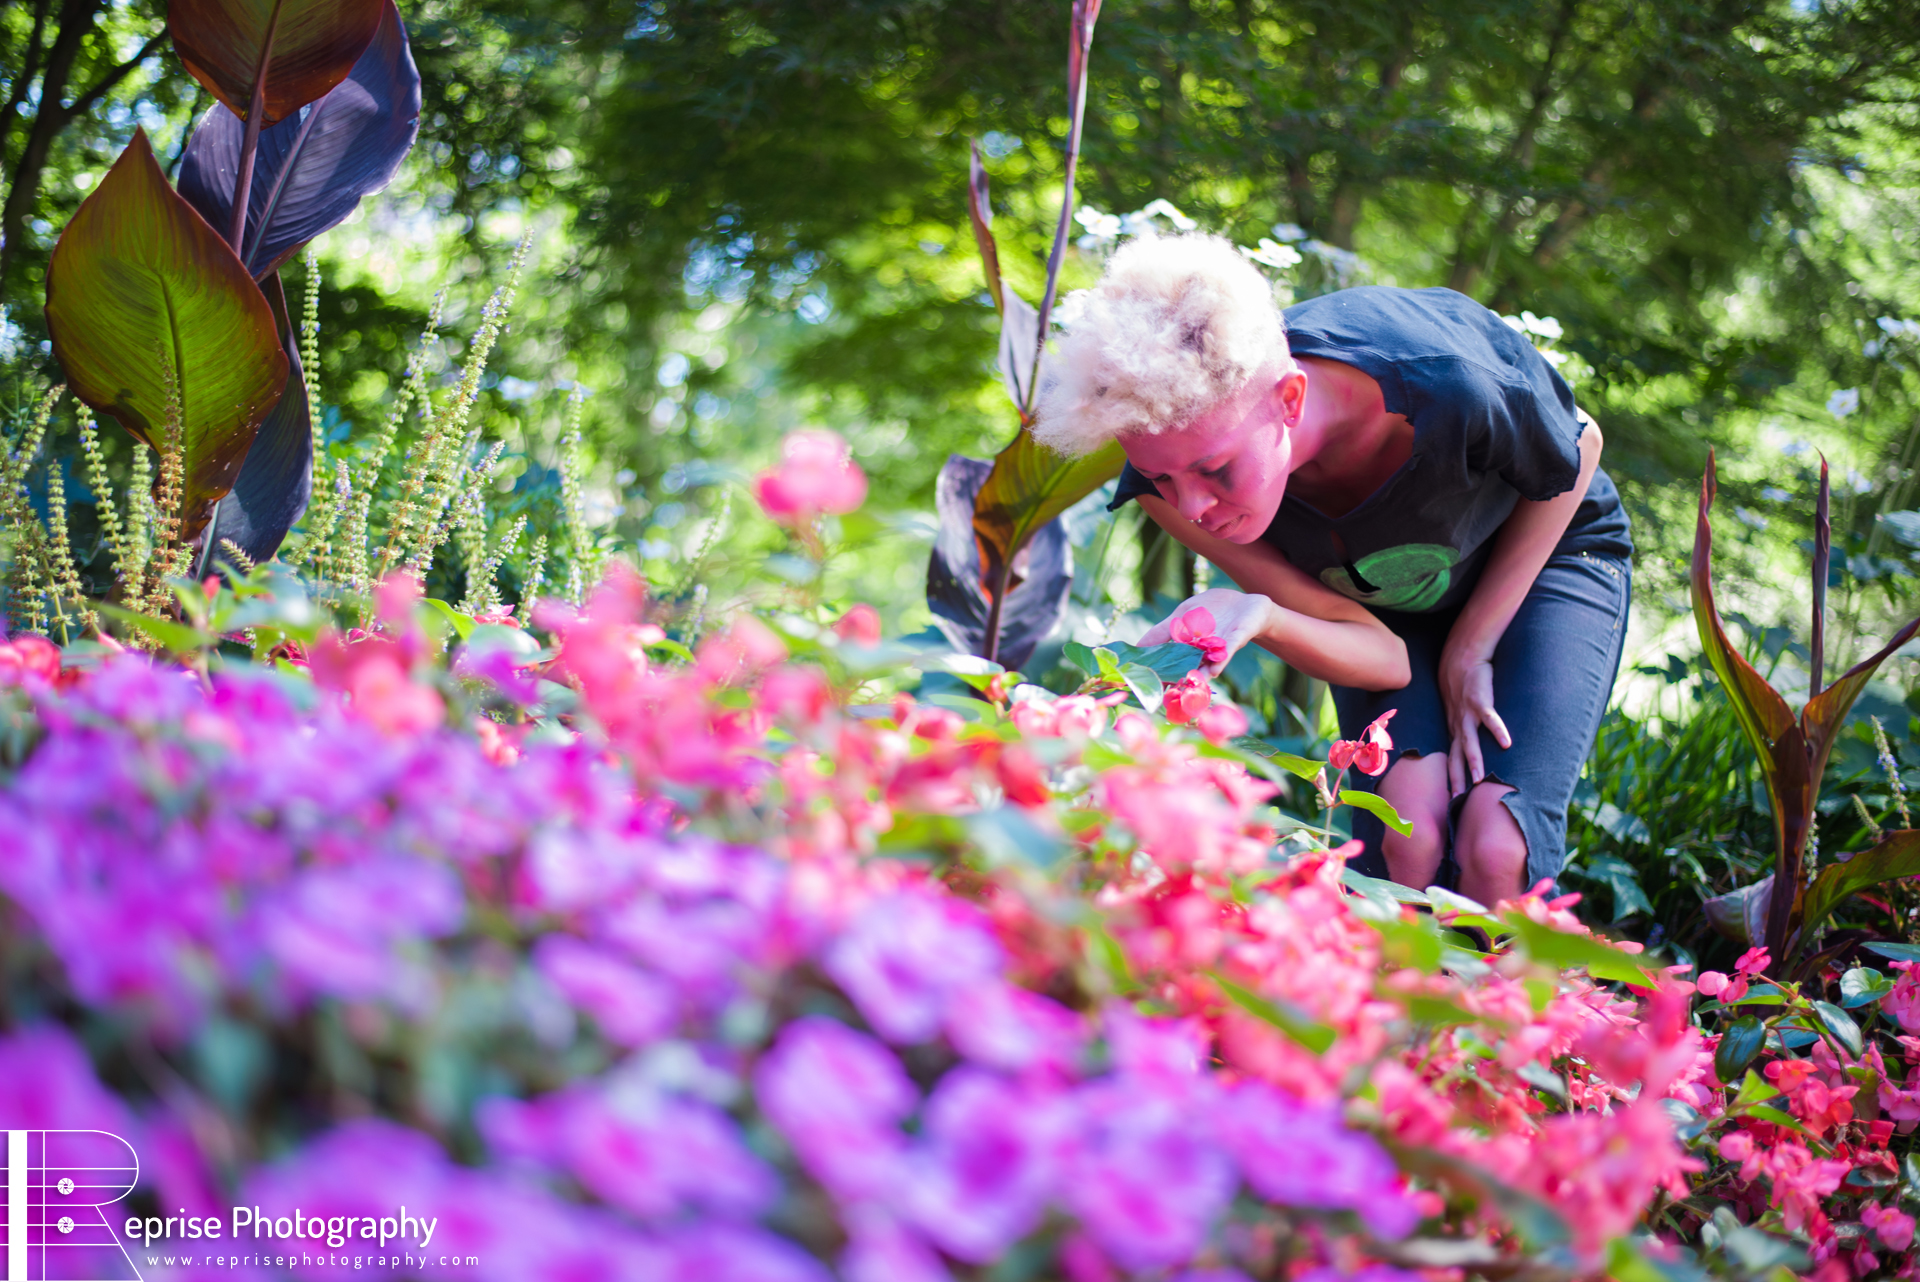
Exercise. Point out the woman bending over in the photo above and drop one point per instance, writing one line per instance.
(1412, 508)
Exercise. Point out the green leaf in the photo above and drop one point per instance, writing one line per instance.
(1538, 1225)
(142, 295)
(178, 638)
(1563, 951)
(1768, 1113)
(1893, 951)
(1297, 766)
(1538, 1075)
(1841, 1025)
(1753, 1088)
(1375, 804)
(1617, 875)
(1006, 836)
(1374, 886)
(1895, 857)
(1739, 1043)
(1862, 986)
(1169, 662)
(1759, 1252)
(313, 45)
(1407, 944)
(1307, 1032)
(673, 648)
(462, 623)
(1145, 685)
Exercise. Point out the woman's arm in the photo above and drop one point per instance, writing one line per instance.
(1307, 624)
(1520, 549)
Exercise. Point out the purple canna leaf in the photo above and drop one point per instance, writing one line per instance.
(313, 167)
(276, 479)
(956, 592)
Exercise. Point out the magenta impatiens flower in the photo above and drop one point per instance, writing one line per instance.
(1301, 1155)
(1143, 1178)
(631, 1006)
(908, 957)
(839, 1097)
(816, 476)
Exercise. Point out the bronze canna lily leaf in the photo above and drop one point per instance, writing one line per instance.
(1793, 752)
(143, 295)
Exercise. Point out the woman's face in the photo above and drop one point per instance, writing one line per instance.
(1226, 471)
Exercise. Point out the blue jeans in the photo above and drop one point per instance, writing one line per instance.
(1553, 673)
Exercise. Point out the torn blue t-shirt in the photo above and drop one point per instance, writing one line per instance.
(1493, 423)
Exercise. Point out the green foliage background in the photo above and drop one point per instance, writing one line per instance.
(747, 215)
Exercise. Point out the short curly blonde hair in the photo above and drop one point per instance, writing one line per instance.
(1177, 325)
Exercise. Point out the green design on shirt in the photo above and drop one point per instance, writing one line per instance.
(1413, 576)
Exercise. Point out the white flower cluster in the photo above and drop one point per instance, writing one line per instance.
(1894, 329)
(1104, 229)
(1542, 332)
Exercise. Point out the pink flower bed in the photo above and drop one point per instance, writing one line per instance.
(735, 981)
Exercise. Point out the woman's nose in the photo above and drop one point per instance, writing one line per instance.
(1194, 502)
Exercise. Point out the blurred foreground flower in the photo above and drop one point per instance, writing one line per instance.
(816, 476)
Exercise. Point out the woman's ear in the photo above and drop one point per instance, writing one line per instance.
(1290, 396)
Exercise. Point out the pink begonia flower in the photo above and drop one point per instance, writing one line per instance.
(383, 694)
(860, 625)
(1076, 716)
(1753, 961)
(1712, 983)
(28, 656)
(816, 475)
(1902, 1005)
(1195, 628)
(907, 957)
(1891, 1225)
(1301, 1155)
(838, 1096)
(1368, 753)
(631, 1007)
(1221, 723)
(1187, 698)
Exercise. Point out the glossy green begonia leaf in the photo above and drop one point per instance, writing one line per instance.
(142, 295)
(1374, 804)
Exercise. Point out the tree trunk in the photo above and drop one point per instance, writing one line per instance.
(23, 191)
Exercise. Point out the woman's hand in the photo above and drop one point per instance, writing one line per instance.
(1238, 617)
(1466, 686)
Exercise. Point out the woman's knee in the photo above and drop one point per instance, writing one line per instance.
(1490, 837)
(1416, 787)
